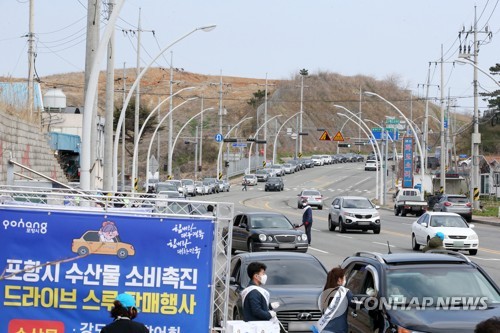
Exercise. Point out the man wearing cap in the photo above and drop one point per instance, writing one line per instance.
(307, 219)
(435, 243)
(123, 311)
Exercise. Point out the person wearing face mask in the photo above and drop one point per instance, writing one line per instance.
(255, 299)
(335, 301)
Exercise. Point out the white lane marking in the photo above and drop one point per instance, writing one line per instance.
(315, 229)
(485, 259)
(344, 236)
(315, 249)
(384, 244)
(407, 223)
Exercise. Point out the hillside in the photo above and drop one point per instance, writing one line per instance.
(322, 91)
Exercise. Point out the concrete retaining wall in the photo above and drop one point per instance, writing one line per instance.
(25, 143)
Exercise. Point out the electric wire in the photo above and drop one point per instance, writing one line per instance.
(63, 28)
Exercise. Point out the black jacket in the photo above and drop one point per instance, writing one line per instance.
(125, 326)
(255, 307)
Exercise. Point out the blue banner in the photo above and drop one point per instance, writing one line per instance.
(61, 271)
(408, 162)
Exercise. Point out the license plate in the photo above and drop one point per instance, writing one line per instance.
(300, 326)
(458, 243)
(363, 223)
(287, 246)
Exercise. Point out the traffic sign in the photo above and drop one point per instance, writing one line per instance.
(392, 121)
(300, 155)
(219, 137)
(220, 175)
(325, 137)
(338, 137)
(239, 144)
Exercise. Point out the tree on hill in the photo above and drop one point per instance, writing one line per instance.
(493, 98)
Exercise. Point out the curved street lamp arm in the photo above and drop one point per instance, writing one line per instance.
(129, 96)
(158, 127)
(255, 135)
(278, 132)
(185, 124)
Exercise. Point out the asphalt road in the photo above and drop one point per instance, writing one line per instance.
(332, 247)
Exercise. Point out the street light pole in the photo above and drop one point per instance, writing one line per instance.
(371, 139)
(255, 136)
(219, 155)
(86, 148)
(422, 162)
(159, 125)
(139, 135)
(379, 158)
(123, 111)
(277, 133)
(185, 124)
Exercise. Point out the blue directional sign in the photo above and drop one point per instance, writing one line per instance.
(392, 132)
(408, 162)
(239, 144)
(219, 137)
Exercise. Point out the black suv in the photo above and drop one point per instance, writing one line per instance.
(434, 292)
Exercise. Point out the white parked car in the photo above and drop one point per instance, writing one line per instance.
(288, 168)
(351, 212)
(371, 165)
(317, 160)
(458, 234)
(202, 188)
(250, 179)
(189, 187)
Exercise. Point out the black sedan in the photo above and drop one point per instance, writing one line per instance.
(274, 184)
(295, 280)
(266, 231)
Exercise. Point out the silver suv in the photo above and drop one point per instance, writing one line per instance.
(353, 213)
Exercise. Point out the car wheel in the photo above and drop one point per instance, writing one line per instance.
(414, 245)
(251, 246)
(403, 212)
(376, 231)
(396, 210)
(83, 251)
(265, 189)
(299, 206)
(122, 253)
(320, 207)
(468, 218)
(331, 226)
(473, 252)
(341, 226)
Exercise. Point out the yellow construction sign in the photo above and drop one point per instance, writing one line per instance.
(325, 136)
(338, 137)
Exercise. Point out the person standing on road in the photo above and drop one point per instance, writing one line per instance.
(245, 183)
(307, 219)
(255, 299)
(335, 302)
(123, 312)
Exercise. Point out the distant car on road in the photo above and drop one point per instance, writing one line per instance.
(262, 175)
(266, 231)
(314, 199)
(371, 165)
(274, 184)
(350, 212)
(454, 203)
(250, 179)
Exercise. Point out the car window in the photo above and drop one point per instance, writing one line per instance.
(421, 219)
(450, 221)
(310, 193)
(293, 272)
(440, 281)
(458, 199)
(357, 203)
(235, 268)
(270, 222)
(91, 236)
(356, 279)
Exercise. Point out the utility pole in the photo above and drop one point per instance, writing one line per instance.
(200, 151)
(31, 57)
(442, 178)
(124, 79)
(465, 52)
(108, 126)
(426, 117)
(170, 119)
(265, 121)
(360, 116)
(137, 96)
(92, 42)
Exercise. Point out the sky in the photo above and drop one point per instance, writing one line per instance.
(277, 38)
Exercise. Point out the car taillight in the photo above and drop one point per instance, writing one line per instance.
(317, 198)
(468, 204)
(447, 204)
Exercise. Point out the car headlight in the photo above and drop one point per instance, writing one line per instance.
(304, 237)
(349, 214)
(377, 214)
(262, 237)
(473, 237)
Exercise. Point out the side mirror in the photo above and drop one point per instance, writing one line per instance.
(424, 225)
(336, 206)
(377, 207)
(471, 226)
(243, 225)
(232, 281)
